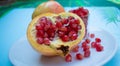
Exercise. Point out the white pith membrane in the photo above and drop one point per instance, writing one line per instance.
(57, 42)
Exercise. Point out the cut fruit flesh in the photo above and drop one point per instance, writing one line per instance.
(51, 50)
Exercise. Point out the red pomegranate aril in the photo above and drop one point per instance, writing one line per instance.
(38, 27)
(68, 58)
(43, 20)
(99, 48)
(51, 33)
(71, 33)
(98, 40)
(84, 44)
(63, 28)
(70, 17)
(87, 53)
(79, 56)
(85, 12)
(47, 26)
(92, 35)
(65, 38)
(64, 21)
(93, 44)
(40, 40)
(39, 33)
(87, 41)
(77, 21)
(53, 27)
(74, 37)
(46, 41)
(74, 26)
(58, 24)
(60, 33)
(86, 48)
(75, 49)
(45, 35)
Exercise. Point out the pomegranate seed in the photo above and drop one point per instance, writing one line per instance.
(47, 26)
(70, 17)
(92, 35)
(74, 37)
(45, 35)
(40, 40)
(71, 33)
(85, 12)
(40, 33)
(77, 21)
(98, 40)
(74, 26)
(79, 56)
(64, 21)
(53, 27)
(87, 53)
(42, 21)
(51, 33)
(38, 27)
(63, 28)
(84, 44)
(68, 58)
(99, 48)
(93, 44)
(75, 49)
(68, 28)
(58, 24)
(86, 48)
(65, 38)
(46, 41)
(60, 33)
(87, 41)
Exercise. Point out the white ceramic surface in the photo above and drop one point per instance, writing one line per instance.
(22, 54)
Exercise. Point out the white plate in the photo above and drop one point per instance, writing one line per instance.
(22, 54)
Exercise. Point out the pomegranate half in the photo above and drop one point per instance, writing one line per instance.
(58, 45)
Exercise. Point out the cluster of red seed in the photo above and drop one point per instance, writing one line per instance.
(45, 31)
(85, 46)
(68, 28)
(65, 28)
(83, 13)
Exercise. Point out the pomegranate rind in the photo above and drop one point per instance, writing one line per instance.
(51, 50)
(48, 7)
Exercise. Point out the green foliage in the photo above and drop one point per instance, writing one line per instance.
(112, 15)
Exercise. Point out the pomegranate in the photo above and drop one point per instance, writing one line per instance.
(98, 40)
(79, 56)
(57, 33)
(68, 58)
(48, 7)
(87, 53)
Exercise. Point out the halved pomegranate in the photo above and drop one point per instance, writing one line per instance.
(55, 34)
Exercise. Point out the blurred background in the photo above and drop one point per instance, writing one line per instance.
(7, 5)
